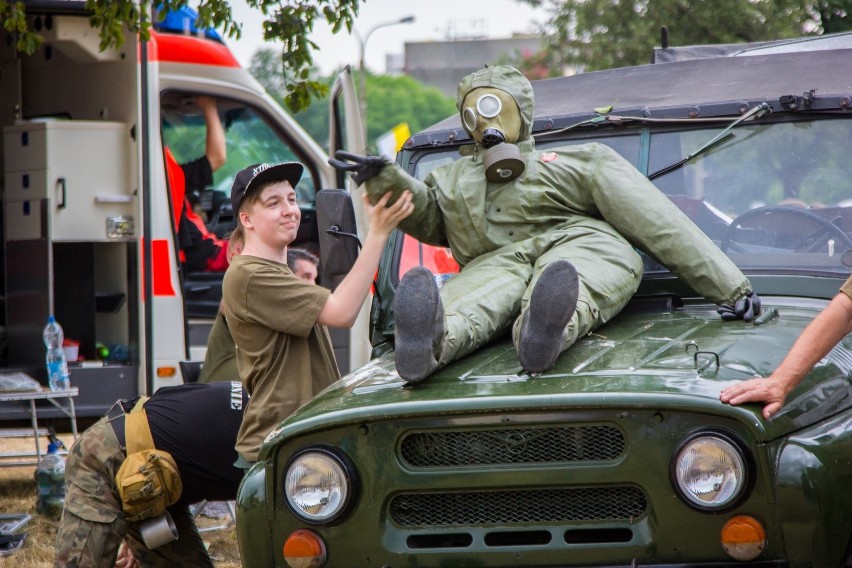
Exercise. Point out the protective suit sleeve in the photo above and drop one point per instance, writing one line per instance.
(647, 218)
(426, 223)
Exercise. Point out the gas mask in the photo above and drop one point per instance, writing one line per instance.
(492, 118)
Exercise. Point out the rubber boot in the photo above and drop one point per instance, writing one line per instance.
(552, 304)
(419, 324)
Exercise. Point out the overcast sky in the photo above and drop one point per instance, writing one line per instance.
(434, 20)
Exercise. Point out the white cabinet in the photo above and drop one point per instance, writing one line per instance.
(68, 181)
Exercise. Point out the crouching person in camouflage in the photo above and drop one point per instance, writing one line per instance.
(177, 448)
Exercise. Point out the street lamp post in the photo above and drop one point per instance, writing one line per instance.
(362, 44)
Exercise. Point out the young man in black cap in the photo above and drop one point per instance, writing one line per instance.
(278, 321)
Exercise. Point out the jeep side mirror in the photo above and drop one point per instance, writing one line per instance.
(338, 235)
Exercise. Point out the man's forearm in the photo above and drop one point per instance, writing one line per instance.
(345, 302)
(818, 339)
(215, 143)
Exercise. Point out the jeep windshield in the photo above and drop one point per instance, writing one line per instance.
(775, 197)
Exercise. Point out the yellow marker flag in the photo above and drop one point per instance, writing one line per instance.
(391, 142)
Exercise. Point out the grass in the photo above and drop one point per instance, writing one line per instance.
(18, 495)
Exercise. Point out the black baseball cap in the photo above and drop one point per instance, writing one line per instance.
(260, 174)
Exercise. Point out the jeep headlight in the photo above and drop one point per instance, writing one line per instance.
(710, 472)
(318, 485)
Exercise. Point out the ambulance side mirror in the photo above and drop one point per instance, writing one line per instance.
(338, 235)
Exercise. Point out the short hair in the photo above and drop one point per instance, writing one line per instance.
(294, 254)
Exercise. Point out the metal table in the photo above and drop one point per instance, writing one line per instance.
(21, 397)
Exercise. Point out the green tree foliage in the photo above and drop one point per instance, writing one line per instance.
(400, 98)
(534, 66)
(602, 34)
(390, 100)
(833, 15)
(13, 18)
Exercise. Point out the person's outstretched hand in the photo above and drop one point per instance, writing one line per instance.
(772, 392)
(746, 308)
(362, 168)
(383, 217)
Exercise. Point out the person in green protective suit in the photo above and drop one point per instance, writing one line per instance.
(545, 239)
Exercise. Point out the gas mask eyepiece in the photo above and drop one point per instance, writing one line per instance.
(488, 105)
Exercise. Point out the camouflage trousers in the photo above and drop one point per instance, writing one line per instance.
(93, 523)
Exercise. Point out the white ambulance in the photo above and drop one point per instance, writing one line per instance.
(88, 215)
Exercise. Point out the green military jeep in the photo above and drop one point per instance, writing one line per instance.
(622, 454)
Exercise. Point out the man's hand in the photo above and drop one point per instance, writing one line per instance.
(772, 392)
(362, 168)
(746, 308)
(383, 217)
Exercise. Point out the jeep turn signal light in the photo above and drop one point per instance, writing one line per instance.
(743, 538)
(304, 549)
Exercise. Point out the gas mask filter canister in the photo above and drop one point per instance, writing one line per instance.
(502, 163)
(494, 121)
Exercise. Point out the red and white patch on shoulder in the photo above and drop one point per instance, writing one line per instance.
(548, 157)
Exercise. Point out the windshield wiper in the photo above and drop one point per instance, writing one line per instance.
(726, 134)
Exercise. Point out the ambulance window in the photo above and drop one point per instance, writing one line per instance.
(249, 137)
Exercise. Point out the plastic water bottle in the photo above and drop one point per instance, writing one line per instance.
(58, 377)
(50, 476)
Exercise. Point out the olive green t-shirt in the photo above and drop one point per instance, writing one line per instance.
(284, 356)
(220, 362)
(847, 287)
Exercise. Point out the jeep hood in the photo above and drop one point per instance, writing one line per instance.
(679, 360)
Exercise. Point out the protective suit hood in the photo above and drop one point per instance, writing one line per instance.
(507, 79)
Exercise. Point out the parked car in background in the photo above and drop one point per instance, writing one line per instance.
(621, 454)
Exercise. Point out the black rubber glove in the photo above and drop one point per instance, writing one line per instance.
(746, 308)
(362, 168)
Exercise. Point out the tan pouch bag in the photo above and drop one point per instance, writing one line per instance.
(148, 481)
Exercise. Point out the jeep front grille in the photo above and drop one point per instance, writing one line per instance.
(529, 506)
(516, 446)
